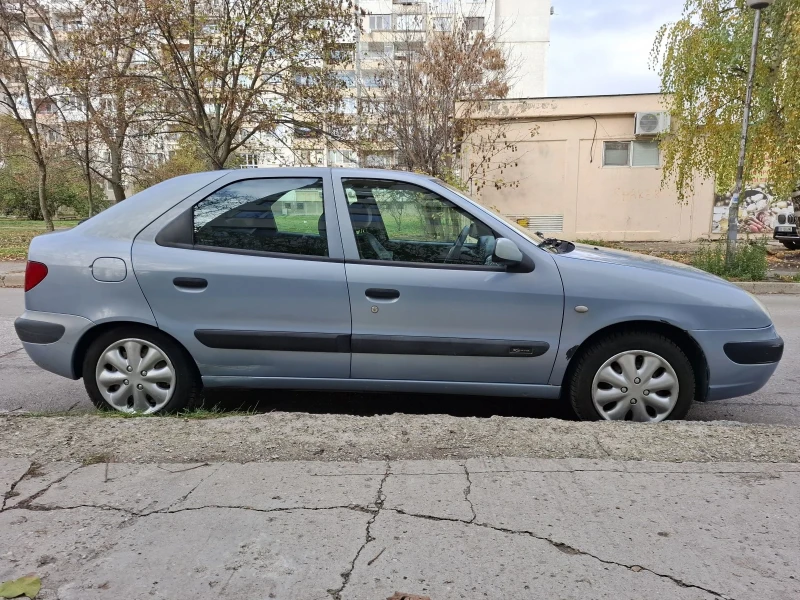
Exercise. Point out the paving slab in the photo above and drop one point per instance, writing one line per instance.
(448, 560)
(11, 471)
(38, 479)
(484, 527)
(442, 495)
(210, 554)
(137, 489)
(280, 486)
(736, 532)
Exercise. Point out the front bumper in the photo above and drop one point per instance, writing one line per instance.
(50, 339)
(740, 361)
(789, 235)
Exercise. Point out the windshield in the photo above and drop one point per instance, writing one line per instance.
(527, 233)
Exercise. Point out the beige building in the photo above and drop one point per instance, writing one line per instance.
(586, 174)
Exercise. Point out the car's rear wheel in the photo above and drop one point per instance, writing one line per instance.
(632, 376)
(138, 370)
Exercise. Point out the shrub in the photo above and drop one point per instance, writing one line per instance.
(749, 260)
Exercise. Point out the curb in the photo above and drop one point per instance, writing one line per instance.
(769, 287)
(12, 280)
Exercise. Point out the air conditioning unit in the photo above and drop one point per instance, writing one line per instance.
(652, 123)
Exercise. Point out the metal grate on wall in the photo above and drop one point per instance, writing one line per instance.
(543, 223)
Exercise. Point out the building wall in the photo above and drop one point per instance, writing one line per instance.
(524, 27)
(564, 188)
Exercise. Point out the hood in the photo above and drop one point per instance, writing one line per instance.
(640, 261)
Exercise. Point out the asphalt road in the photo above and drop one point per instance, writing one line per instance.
(25, 387)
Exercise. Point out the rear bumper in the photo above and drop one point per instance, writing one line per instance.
(50, 339)
(740, 361)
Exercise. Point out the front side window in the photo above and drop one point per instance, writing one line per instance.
(265, 215)
(400, 222)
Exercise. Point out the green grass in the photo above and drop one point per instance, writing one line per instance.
(598, 243)
(16, 236)
(410, 227)
(749, 261)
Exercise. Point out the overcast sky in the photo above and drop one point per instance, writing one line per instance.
(603, 46)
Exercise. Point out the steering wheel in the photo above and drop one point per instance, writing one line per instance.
(456, 249)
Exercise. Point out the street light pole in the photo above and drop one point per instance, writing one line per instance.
(733, 213)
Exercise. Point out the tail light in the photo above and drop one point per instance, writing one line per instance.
(35, 272)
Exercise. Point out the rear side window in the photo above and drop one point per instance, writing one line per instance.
(285, 216)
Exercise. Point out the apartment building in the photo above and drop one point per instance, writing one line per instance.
(390, 30)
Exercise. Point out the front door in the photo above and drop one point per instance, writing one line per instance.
(427, 301)
(250, 279)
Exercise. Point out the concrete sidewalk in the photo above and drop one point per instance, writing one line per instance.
(497, 528)
(12, 273)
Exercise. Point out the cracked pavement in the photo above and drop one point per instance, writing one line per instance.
(491, 527)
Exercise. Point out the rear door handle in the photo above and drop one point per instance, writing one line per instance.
(382, 294)
(192, 283)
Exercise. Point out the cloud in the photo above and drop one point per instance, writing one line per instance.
(603, 47)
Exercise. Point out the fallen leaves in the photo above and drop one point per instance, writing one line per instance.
(28, 586)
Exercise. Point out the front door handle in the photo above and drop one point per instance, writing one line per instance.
(381, 294)
(191, 283)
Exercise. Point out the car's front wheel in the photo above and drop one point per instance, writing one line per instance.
(632, 376)
(792, 245)
(139, 370)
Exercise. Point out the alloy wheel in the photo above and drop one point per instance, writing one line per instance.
(635, 385)
(135, 376)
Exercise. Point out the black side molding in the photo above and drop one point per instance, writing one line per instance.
(38, 332)
(436, 346)
(367, 344)
(273, 340)
(755, 353)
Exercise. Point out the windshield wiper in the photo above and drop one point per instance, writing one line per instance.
(560, 246)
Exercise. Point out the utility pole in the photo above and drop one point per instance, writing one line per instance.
(733, 213)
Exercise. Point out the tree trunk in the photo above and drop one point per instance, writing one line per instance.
(48, 220)
(87, 161)
(89, 191)
(116, 177)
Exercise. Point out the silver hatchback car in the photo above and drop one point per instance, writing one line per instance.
(367, 280)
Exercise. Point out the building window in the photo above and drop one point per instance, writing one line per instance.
(409, 22)
(377, 50)
(380, 22)
(631, 154)
(249, 160)
(348, 78)
(345, 158)
(645, 154)
(442, 23)
(474, 23)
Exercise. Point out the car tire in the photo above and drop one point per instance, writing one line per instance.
(173, 379)
(603, 361)
(792, 245)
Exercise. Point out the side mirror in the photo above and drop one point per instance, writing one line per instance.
(507, 253)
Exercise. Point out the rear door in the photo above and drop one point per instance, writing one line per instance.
(249, 277)
(427, 302)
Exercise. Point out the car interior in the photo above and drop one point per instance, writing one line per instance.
(422, 226)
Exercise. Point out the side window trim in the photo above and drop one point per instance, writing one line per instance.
(351, 253)
(177, 231)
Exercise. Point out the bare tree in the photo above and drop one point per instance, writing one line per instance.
(27, 39)
(234, 69)
(414, 106)
(101, 64)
